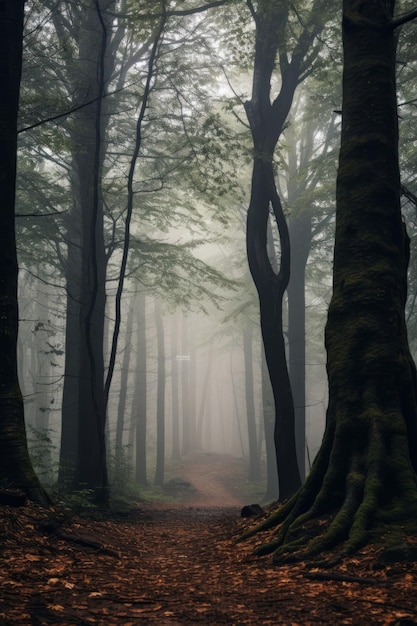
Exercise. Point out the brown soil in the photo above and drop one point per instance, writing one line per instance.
(172, 564)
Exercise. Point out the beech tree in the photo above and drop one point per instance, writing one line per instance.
(365, 474)
(267, 116)
(15, 466)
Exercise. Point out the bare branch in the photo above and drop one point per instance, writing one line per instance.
(403, 19)
(73, 110)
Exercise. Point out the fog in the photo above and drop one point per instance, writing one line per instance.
(205, 384)
(139, 340)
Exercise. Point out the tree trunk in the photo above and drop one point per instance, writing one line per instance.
(124, 380)
(204, 399)
(185, 387)
(15, 466)
(192, 406)
(271, 288)
(86, 269)
(267, 121)
(160, 408)
(272, 489)
(300, 235)
(176, 451)
(140, 396)
(254, 460)
(364, 475)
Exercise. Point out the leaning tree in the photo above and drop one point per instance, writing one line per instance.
(365, 474)
(15, 466)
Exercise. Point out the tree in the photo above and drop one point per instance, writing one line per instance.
(100, 55)
(160, 406)
(15, 466)
(267, 120)
(365, 474)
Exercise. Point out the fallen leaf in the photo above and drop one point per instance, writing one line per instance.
(56, 607)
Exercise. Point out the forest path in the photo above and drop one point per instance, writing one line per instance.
(215, 479)
(177, 564)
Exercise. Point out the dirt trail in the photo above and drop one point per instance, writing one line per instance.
(209, 476)
(177, 564)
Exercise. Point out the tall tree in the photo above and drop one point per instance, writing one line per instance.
(83, 424)
(365, 474)
(267, 119)
(139, 408)
(15, 466)
(160, 400)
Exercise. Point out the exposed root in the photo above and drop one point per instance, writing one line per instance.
(365, 481)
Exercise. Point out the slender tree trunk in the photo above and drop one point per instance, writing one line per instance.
(124, 378)
(192, 408)
(185, 388)
(139, 410)
(254, 459)
(160, 408)
(204, 399)
(236, 410)
(267, 121)
(176, 450)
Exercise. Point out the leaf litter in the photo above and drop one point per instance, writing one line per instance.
(171, 564)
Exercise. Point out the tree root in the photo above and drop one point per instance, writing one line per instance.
(352, 491)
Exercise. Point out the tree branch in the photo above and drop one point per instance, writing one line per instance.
(403, 19)
(252, 10)
(174, 13)
(70, 111)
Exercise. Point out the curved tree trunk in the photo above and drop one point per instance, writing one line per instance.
(271, 288)
(365, 472)
(267, 119)
(15, 466)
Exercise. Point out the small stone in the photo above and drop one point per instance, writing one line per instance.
(250, 510)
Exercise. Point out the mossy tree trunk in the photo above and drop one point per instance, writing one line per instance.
(15, 466)
(365, 473)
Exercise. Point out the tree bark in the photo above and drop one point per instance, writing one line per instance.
(272, 488)
(300, 235)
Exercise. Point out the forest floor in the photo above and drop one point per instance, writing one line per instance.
(176, 563)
